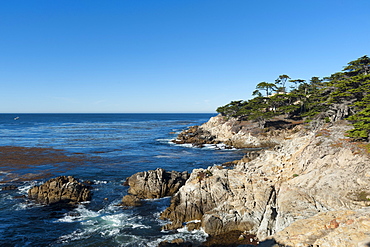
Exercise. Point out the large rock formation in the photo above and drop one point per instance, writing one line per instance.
(153, 184)
(60, 190)
(232, 131)
(236, 133)
(156, 183)
(312, 172)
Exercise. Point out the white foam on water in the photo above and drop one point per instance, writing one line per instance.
(167, 156)
(114, 220)
(187, 145)
(100, 181)
(23, 190)
(195, 236)
(110, 232)
(26, 205)
(164, 140)
(81, 213)
(26, 187)
(220, 146)
(76, 235)
(194, 221)
(108, 222)
(164, 199)
(89, 222)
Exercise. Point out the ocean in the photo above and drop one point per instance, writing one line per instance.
(104, 149)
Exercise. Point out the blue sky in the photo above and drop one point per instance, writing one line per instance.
(167, 55)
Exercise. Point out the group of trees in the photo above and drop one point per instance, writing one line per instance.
(306, 99)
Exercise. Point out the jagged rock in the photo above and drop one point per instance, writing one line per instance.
(196, 136)
(218, 201)
(233, 133)
(156, 183)
(60, 190)
(310, 172)
(131, 201)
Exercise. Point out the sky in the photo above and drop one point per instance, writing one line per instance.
(167, 56)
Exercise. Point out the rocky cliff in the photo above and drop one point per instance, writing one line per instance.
(237, 133)
(311, 189)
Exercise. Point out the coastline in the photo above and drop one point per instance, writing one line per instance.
(119, 146)
(312, 170)
(312, 182)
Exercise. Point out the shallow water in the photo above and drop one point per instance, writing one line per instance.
(114, 146)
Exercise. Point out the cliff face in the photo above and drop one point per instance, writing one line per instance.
(312, 188)
(232, 131)
(236, 133)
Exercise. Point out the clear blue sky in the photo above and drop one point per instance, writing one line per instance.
(167, 55)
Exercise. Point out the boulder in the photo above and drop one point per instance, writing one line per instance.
(131, 201)
(156, 183)
(66, 190)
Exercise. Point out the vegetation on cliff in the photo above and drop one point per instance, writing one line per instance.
(343, 95)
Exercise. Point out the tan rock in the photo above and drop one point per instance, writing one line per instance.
(333, 228)
(156, 183)
(311, 173)
(130, 200)
(60, 190)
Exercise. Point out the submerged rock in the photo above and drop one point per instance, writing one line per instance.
(9, 187)
(64, 190)
(155, 183)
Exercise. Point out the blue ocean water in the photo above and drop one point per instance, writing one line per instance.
(120, 145)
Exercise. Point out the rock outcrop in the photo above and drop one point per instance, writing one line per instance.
(196, 136)
(310, 173)
(60, 190)
(153, 184)
(131, 201)
(156, 183)
(236, 133)
(233, 132)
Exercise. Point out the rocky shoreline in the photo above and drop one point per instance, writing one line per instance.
(311, 189)
(234, 133)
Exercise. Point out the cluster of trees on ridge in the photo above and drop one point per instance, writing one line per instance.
(308, 99)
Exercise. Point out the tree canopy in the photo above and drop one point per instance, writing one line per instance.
(307, 99)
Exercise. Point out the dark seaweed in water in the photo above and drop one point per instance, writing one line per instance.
(105, 149)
